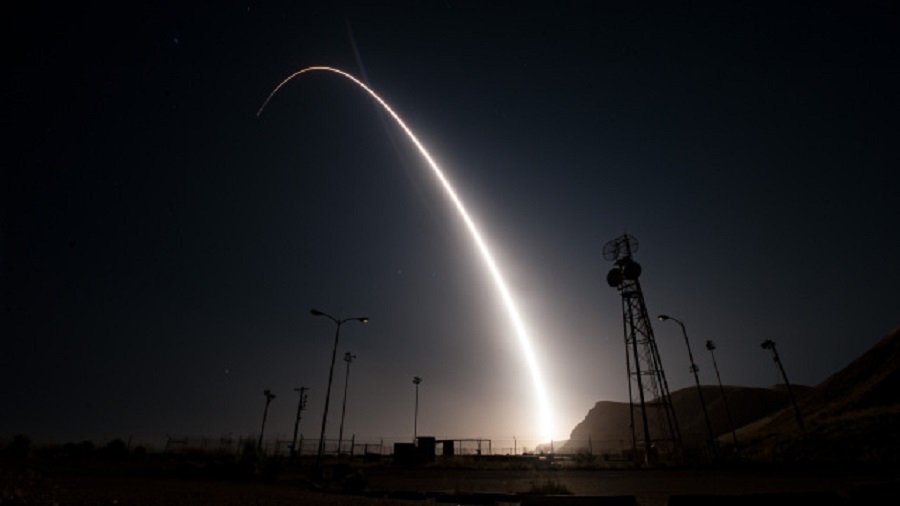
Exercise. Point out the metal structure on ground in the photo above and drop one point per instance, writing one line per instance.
(269, 396)
(769, 344)
(301, 406)
(348, 357)
(695, 370)
(648, 389)
(337, 333)
(416, 381)
(711, 346)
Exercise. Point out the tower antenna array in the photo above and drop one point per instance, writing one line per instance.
(648, 389)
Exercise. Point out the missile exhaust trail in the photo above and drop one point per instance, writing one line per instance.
(545, 414)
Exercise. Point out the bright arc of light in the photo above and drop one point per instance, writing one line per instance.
(545, 414)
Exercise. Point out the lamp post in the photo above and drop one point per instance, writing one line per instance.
(348, 357)
(301, 405)
(269, 396)
(416, 380)
(711, 346)
(769, 344)
(694, 369)
(338, 322)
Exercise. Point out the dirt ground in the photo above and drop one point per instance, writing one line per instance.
(389, 485)
(649, 487)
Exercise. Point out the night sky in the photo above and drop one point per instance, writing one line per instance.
(162, 246)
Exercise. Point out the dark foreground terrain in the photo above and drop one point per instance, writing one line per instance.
(183, 483)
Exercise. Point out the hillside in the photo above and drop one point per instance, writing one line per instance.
(852, 415)
(606, 426)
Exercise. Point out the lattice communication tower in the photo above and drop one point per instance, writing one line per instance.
(648, 389)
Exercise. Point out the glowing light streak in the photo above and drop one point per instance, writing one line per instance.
(545, 414)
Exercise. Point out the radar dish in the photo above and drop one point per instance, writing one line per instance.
(615, 278)
(623, 246)
(631, 243)
(611, 250)
(631, 270)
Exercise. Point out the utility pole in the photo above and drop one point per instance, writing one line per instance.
(416, 380)
(768, 344)
(711, 346)
(694, 369)
(269, 396)
(348, 357)
(301, 406)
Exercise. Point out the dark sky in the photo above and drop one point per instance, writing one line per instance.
(162, 246)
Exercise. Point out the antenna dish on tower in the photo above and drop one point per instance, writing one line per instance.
(620, 247)
(647, 386)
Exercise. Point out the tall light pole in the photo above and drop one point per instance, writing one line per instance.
(711, 346)
(769, 344)
(416, 380)
(348, 357)
(269, 396)
(301, 405)
(338, 322)
(694, 369)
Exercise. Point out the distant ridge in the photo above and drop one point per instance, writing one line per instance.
(853, 415)
(606, 429)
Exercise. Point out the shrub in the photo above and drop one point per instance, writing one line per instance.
(19, 448)
(115, 449)
(549, 487)
(355, 482)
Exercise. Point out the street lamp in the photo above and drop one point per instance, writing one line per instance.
(338, 322)
(416, 380)
(269, 396)
(711, 346)
(694, 369)
(348, 357)
(769, 344)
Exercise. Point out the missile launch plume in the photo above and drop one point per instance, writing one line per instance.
(544, 413)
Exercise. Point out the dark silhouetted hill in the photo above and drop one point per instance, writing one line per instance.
(851, 416)
(606, 428)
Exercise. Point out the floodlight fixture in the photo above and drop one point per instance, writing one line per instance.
(416, 381)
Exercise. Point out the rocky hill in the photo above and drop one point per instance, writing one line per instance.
(852, 415)
(606, 428)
